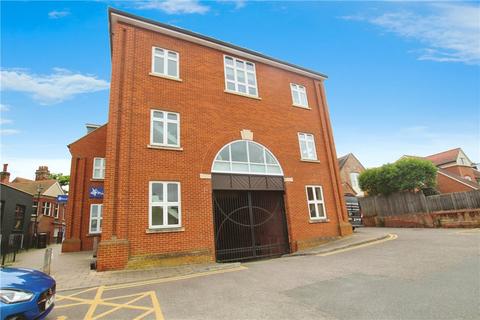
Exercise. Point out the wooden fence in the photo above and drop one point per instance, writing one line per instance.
(408, 203)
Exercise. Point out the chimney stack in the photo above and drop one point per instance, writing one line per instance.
(5, 175)
(42, 173)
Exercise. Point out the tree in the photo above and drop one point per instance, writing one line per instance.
(407, 174)
(62, 180)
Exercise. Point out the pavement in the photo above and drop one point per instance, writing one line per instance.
(411, 274)
(72, 270)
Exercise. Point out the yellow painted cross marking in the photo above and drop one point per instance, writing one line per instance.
(391, 236)
(74, 300)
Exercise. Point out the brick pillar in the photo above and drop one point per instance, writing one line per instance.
(74, 211)
(5, 175)
(113, 249)
(345, 228)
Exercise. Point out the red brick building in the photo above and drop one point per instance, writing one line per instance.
(50, 214)
(456, 172)
(212, 151)
(350, 170)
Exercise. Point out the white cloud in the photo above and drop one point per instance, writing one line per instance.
(61, 85)
(58, 14)
(25, 167)
(449, 31)
(5, 121)
(4, 107)
(8, 132)
(174, 6)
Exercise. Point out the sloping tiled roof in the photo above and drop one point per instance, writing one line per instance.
(30, 186)
(444, 157)
(471, 184)
(343, 160)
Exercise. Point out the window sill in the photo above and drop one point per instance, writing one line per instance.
(165, 230)
(308, 160)
(97, 180)
(96, 234)
(159, 75)
(151, 146)
(322, 220)
(301, 107)
(242, 95)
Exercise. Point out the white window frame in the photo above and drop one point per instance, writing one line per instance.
(354, 181)
(235, 81)
(101, 167)
(315, 201)
(47, 209)
(165, 63)
(303, 136)
(165, 204)
(99, 219)
(165, 121)
(299, 89)
(56, 209)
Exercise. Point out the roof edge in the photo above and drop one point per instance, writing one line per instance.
(209, 41)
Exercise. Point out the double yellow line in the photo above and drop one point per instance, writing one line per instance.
(390, 236)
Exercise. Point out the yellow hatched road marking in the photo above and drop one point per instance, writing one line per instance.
(99, 301)
(391, 236)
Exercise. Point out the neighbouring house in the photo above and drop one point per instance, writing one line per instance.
(48, 214)
(456, 172)
(350, 169)
(211, 152)
(16, 208)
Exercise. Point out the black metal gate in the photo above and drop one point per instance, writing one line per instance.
(249, 224)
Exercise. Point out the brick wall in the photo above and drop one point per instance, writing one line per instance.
(462, 171)
(83, 152)
(210, 118)
(449, 185)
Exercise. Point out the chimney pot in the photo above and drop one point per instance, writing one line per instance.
(5, 175)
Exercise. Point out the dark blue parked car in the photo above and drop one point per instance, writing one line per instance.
(25, 294)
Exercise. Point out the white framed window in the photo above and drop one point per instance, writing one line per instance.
(307, 146)
(240, 76)
(165, 62)
(299, 95)
(164, 204)
(316, 205)
(56, 208)
(47, 207)
(35, 208)
(354, 181)
(98, 168)
(96, 217)
(244, 156)
(165, 128)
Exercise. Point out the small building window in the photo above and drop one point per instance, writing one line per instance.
(47, 207)
(165, 128)
(164, 205)
(354, 180)
(240, 76)
(299, 95)
(96, 216)
(56, 208)
(35, 208)
(99, 168)
(19, 217)
(165, 62)
(316, 205)
(307, 146)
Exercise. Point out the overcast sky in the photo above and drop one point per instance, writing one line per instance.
(404, 78)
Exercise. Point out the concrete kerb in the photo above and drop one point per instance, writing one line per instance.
(108, 278)
(313, 252)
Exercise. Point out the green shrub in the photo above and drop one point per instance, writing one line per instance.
(407, 174)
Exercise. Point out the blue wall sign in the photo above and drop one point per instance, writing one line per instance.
(96, 192)
(62, 198)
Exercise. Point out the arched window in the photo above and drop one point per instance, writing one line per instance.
(246, 157)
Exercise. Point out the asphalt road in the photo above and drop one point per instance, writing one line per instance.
(423, 274)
